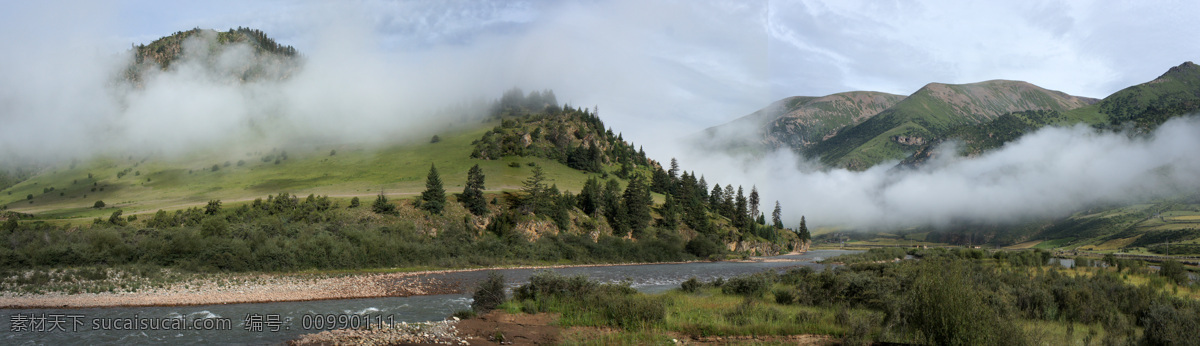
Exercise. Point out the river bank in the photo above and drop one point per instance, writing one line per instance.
(266, 288)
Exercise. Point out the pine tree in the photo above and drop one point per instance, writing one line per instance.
(670, 213)
(715, 199)
(802, 232)
(472, 196)
(776, 216)
(636, 201)
(590, 200)
(753, 207)
(382, 206)
(433, 199)
(674, 171)
(728, 207)
(741, 217)
(535, 190)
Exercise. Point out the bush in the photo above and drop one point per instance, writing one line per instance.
(382, 206)
(703, 247)
(1174, 271)
(214, 227)
(98, 205)
(949, 309)
(750, 286)
(354, 203)
(692, 285)
(490, 293)
(785, 296)
(751, 311)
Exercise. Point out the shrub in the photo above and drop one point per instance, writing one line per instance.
(749, 286)
(98, 205)
(354, 203)
(490, 293)
(751, 311)
(1174, 271)
(382, 206)
(692, 285)
(214, 227)
(703, 247)
(785, 296)
(949, 309)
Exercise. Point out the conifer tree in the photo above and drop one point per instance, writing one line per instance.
(728, 206)
(674, 171)
(433, 199)
(670, 213)
(803, 231)
(636, 201)
(590, 200)
(715, 199)
(753, 201)
(776, 216)
(472, 196)
(535, 190)
(741, 217)
(382, 206)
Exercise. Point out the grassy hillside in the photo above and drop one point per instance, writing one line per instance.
(1149, 104)
(153, 183)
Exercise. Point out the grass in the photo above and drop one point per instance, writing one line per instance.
(710, 314)
(159, 182)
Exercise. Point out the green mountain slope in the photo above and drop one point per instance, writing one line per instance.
(931, 113)
(800, 122)
(1144, 106)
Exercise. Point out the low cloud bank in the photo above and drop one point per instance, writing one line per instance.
(1049, 173)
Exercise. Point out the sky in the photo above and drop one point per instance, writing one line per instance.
(657, 70)
(712, 61)
(684, 65)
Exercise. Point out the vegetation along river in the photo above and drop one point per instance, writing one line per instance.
(271, 323)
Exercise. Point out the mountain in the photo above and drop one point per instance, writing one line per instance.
(243, 53)
(1149, 104)
(799, 122)
(1143, 106)
(930, 113)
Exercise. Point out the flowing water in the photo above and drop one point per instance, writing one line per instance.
(274, 323)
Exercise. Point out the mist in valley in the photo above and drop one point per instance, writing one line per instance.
(1050, 173)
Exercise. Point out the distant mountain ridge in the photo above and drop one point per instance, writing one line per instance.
(931, 113)
(800, 122)
(860, 129)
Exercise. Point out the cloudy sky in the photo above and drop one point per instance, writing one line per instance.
(675, 66)
(657, 70)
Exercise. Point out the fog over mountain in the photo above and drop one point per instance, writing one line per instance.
(1050, 173)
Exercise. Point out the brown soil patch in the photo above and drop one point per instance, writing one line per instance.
(500, 328)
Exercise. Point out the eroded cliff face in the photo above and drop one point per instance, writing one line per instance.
(760, 248)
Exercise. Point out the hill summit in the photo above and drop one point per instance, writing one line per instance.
(242, 53)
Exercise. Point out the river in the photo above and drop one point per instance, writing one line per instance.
(273, 323)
